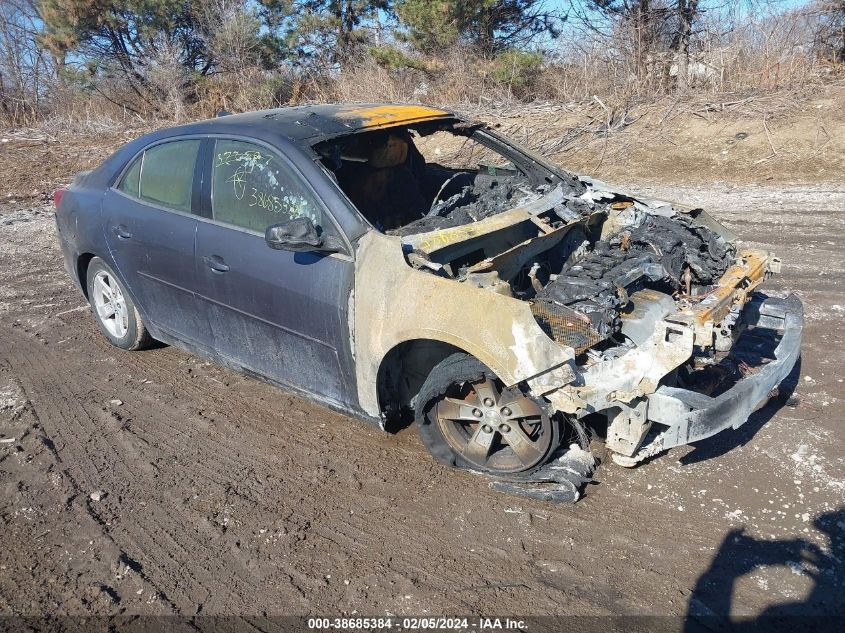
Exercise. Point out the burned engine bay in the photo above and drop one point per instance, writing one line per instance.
(598, 268)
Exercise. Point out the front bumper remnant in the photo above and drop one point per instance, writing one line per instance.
(689, 416)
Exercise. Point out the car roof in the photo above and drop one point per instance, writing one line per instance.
(311, 124)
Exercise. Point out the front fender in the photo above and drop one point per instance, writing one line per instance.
(395, 303)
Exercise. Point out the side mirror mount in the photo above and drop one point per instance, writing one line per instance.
(300, 235)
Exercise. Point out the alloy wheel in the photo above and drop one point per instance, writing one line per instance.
(495, 429)
(110, 304)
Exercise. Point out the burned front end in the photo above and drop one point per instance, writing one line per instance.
(606, 305)
(656, 305)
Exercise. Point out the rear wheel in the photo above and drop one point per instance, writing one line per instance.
(116, 314)
(467, 418)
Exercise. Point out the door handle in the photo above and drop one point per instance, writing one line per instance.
(122, 232)
(216, 264)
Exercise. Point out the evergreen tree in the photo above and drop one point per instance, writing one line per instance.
(325, 31)
(492, 26)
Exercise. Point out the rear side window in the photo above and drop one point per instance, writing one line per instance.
(164, 175)
(254, 188)
(132, 178)
(167, 174)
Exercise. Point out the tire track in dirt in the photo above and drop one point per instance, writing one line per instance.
(232, 496)
(65, 496)
(68, 428)
(98, 452)
(122, 472)
(116, 471)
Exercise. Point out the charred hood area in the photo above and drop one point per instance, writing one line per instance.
(582, 255)
(595, 266)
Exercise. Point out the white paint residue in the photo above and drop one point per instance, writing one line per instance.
(812, 465)
(522, 342)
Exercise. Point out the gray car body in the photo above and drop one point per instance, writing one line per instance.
(338, 327)
(84, 227)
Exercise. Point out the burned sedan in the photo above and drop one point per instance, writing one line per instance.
(400, 262)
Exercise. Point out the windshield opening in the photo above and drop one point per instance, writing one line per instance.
(414, 179)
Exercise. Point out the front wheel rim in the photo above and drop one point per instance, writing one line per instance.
(110, 304)
(494, 429)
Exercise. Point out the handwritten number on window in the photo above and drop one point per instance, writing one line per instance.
(252, 171)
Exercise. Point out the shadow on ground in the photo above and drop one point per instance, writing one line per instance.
(823, 609)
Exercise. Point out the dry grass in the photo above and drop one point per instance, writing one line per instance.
(784, 137)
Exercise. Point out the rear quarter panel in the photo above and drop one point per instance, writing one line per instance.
(79, 227)
(78, 216)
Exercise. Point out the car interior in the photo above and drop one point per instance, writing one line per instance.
(393, 183)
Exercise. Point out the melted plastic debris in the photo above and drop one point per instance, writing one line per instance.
(559, 481)
(478, 197)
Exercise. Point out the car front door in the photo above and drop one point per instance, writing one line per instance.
(150, 228)
(280, 314)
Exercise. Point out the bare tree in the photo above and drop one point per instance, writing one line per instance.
(24, 66)
(638, 31)
(687, 11)
(830, 34)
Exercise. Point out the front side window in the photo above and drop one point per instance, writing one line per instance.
(163, 175)
(253, 188)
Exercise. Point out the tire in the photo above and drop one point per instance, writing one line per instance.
(460, 377)
(124, 327)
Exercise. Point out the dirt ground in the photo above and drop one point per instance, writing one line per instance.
(157, 483)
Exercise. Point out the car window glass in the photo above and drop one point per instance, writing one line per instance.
(167, 174)
(253, 188)
(132, 178)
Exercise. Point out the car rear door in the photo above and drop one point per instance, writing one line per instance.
(280, 314)
(150, 229)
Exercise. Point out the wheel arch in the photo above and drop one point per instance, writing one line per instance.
(82, 263)
(404, 369)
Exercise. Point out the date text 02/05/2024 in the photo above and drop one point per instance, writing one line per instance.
(416, 624)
